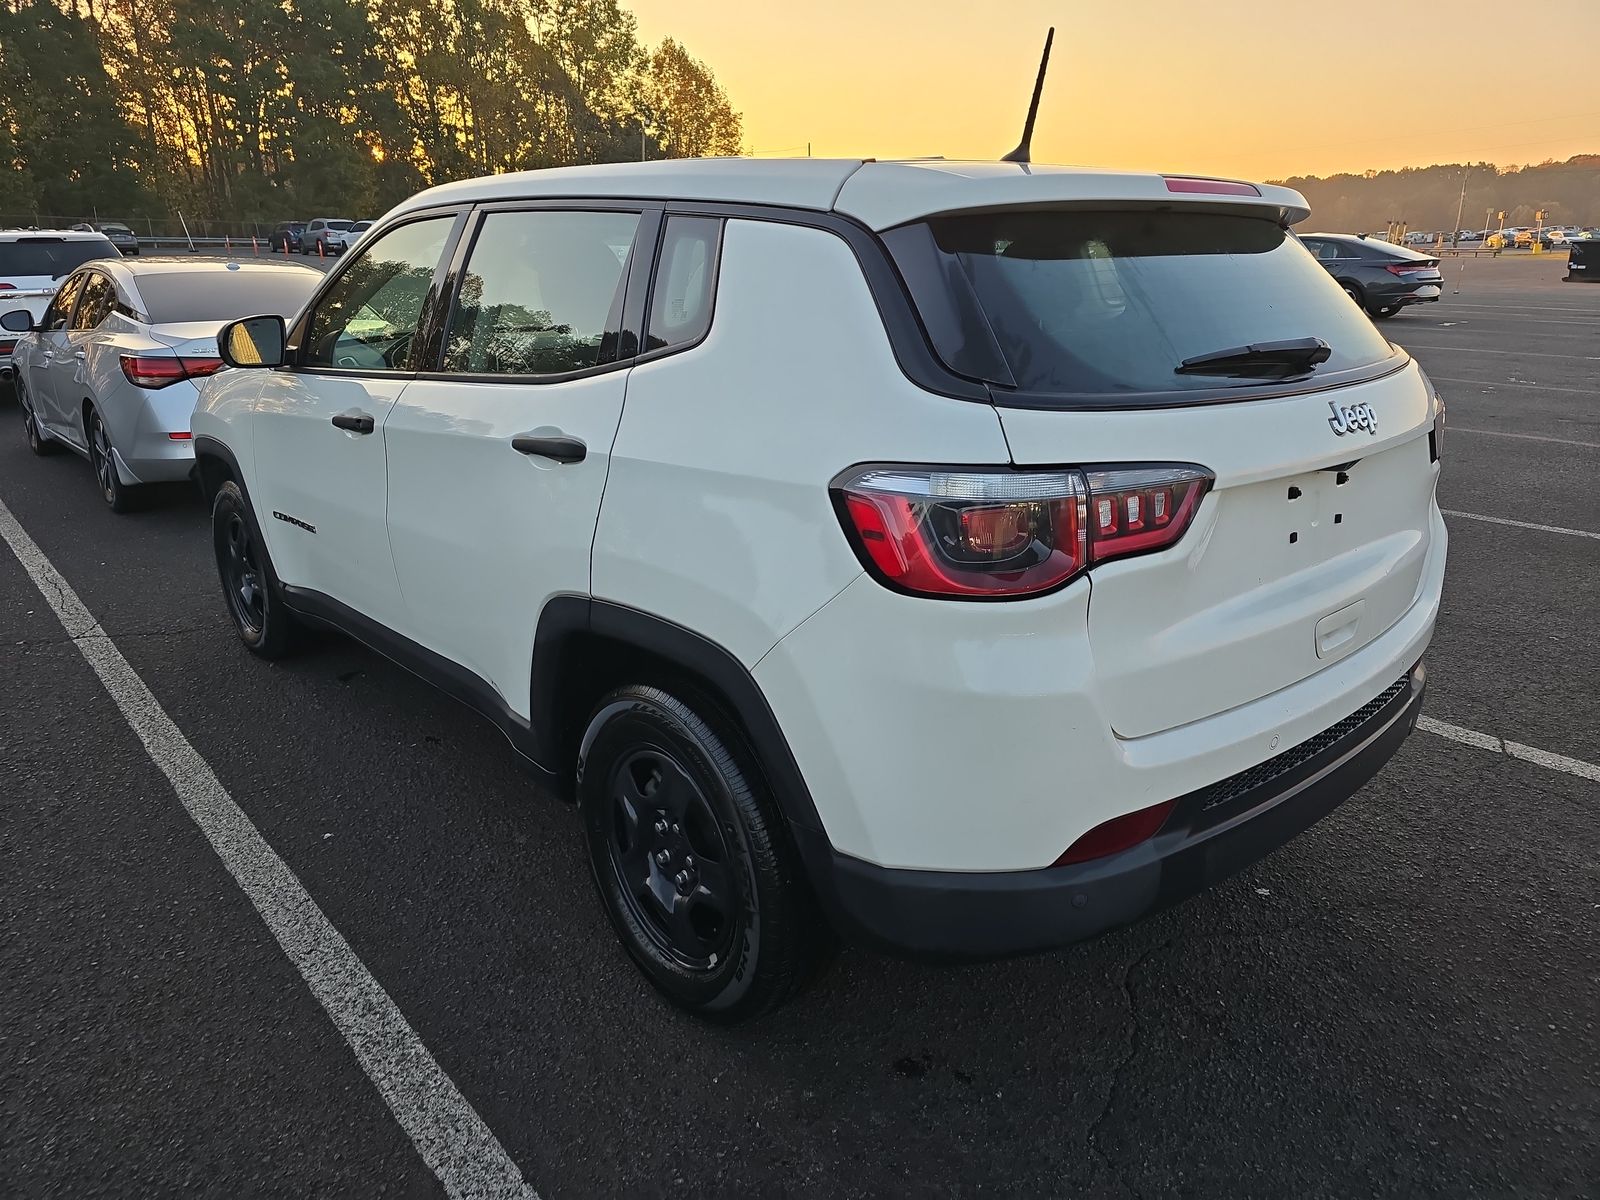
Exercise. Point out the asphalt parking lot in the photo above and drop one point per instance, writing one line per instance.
(1401, 1002)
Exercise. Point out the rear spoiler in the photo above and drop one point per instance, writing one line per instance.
(884, 195)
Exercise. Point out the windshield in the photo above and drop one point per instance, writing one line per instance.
(1108, 304)
(115, 229)
(54, 257)
(179, 296)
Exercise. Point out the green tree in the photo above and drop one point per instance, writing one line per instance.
(685, 108)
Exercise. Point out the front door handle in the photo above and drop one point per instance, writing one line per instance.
(562, 449)
(355, 421)
(80, 355)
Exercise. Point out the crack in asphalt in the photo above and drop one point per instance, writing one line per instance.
(1119, 1072)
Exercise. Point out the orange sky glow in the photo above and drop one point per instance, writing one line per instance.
(1253, 88)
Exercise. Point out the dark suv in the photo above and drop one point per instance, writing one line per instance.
(286, 235)
(1381, 277)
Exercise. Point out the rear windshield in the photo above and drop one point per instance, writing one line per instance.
(1104, 305)
(220, 296)
(338, 224)
(54, 257)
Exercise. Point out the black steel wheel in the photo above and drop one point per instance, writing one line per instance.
(102, 456)
(691, 858)
(248, 585)
(37, 442)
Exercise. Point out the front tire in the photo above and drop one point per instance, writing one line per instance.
(691, 858)
(119, 496)
(37, 442)
(249, 587)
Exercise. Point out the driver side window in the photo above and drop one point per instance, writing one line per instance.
(367, 321)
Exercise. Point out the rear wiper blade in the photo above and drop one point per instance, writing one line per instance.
(1261, 358)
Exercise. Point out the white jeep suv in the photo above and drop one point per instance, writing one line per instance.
(968, 558)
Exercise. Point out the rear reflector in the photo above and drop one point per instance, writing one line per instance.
(8, 346)
(1118, 834)
(180, 437)
(1210, 187)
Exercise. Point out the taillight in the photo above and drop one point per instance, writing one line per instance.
(158, 371)
(8, 287)
(1409, 268)
(6, 347)
(997, 534)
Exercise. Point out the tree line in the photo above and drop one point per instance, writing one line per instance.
(255, 110)
(1428, 198)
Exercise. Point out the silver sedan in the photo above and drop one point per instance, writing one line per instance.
(111, 370)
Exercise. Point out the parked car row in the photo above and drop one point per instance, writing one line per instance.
(324, 236)
(985, 555)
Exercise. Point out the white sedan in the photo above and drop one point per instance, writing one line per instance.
(111, 369)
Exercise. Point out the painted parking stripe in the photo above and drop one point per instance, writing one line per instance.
(1501, 351)
(1583, 533)
(449, 1134)
(1492, 384)
(1530, 754)
(1526, 437)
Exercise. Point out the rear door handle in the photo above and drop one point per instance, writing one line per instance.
(79, 355)
(354, 421)
(561, 449)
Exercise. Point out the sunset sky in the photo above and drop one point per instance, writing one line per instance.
(1255, 88)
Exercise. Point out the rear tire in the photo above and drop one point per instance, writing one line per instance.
(249, 586)
(37, 441)
(119, 497)
(692, 860)
(1384, 313)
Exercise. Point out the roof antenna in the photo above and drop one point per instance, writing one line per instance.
(1024, 151)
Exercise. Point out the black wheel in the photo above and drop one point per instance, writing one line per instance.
(1384, 313)
(692, 860)
(118, 495)
(248, 585)
(1353, 291)
(37, 442)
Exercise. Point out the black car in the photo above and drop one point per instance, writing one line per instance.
(1381, 277)
(286, 235)
(120, 236)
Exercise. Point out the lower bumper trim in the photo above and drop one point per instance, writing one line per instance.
(1211, 834)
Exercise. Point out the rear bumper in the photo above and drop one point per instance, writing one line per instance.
(1211, 834)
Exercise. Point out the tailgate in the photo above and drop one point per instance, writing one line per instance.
(1311, 544)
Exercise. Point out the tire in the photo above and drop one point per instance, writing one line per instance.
(119, 497)
(1384, 313)
(249, 586)
(37, 441)
(1353, 291)
(692, 860)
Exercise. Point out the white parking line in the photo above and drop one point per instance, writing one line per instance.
(452, 1139)
(1485, 741)
(1526, 437)
(1492, 384)
(1503, 351)
(1583, 533)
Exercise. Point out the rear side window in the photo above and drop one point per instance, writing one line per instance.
(542, 293)
(1105, 306)
(680, 302)
(99, 300)
(60, 308)
(52, 257)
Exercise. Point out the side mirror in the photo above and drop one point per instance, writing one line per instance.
(18, 320)
(252, 342)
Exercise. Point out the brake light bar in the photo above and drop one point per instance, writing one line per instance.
(154, 371)
(1410, 268)
(977, 533)
(1209, 187)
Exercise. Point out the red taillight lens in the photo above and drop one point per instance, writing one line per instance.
(8, 287)
(966, 533)
(1118, 834)
(1134, 509)
(181, 437)
(158, 371)
(6, 347)
(1409, 268)
(998, 534)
